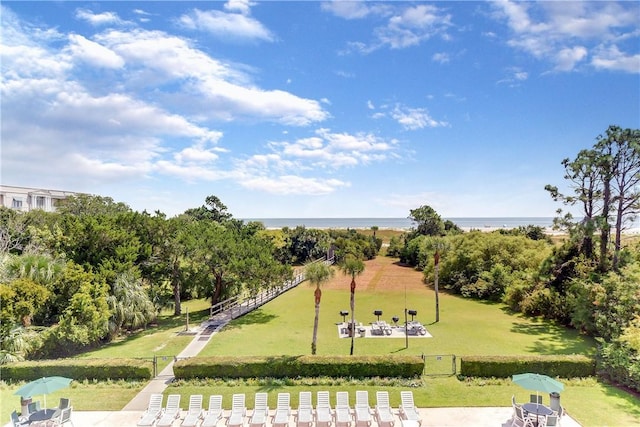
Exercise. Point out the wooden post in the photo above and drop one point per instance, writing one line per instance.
(436, 260)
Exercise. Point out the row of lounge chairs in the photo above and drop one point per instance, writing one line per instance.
(323, 414)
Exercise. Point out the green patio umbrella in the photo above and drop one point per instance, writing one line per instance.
(538, 383)
(44, 386)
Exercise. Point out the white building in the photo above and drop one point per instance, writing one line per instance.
(26, 199)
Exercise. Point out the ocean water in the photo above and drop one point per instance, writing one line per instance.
(400, 223)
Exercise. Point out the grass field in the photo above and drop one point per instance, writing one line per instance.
(466, 327)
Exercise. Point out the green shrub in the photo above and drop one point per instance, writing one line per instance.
(564, 366)
(299, 366)
(89, 369)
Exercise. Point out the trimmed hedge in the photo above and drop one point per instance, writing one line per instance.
(299, 366)
(79, 369)
(564, 366)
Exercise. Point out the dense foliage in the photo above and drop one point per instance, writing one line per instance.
(95, 269)
(582, 282)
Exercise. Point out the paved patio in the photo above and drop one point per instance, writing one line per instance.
(431, 417)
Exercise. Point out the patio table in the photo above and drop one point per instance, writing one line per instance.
(537, 409)
(42, 415)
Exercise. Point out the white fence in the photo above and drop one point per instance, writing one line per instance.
(239, 305)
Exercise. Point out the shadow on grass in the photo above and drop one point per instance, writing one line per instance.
(164, 323)
(255, 317)
(629, 397)
(552, 339)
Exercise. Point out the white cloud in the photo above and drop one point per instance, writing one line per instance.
(226, 25)
(293, 184)
(612, 59)
(514, 77)
(215, 89)
(96, 19)
(415, 118)
(241, 6)
(563, 32)
(282, 171)
(566, 59)
(412, 26)
(93, 53)
(406, 26)
(441, 57)
(347, 9)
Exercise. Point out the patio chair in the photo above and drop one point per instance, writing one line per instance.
(383, 414)
(260, 411)
(194, 413)
(62, 418)
(362, 409)
(18, 421)
(535, 398)
(304, 415)
(64, 403)
(283, 411)
(33, 407)
(342, 413)
(153, 412)
(214, 413)
(171, 411)
(519, 419)
(552, 421)
(324, 414)
(238, 410)
(408, 410)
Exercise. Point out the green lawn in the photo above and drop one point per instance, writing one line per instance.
(163, 340)
(466, 327)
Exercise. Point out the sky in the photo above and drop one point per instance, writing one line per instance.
(286, 109)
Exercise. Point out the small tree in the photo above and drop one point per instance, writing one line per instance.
(352, 266)
(428, 222)
(317, 273)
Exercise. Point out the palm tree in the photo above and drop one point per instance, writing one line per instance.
(353, 266)
(317, 273)
(129, 304)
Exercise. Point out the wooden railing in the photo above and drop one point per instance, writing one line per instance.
(239, 305)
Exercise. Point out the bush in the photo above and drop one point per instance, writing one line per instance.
(299, 366)
(620, 364)
(565, 366)
(80, 369)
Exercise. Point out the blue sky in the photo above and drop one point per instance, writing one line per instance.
(310, 108)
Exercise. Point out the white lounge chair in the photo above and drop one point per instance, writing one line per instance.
(171, 411)
(304, 415)
(194, 413)
(260, 411)
(324, 414)
(408, 410)
(214, 413)
(238, 410)
(153, 412)
(283, 411)
(343, 416)
(362, 409)
(383, 413)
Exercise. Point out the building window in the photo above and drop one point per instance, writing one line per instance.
(17, 204)
(40, 202)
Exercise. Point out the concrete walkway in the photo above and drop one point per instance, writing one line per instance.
(203, 334)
